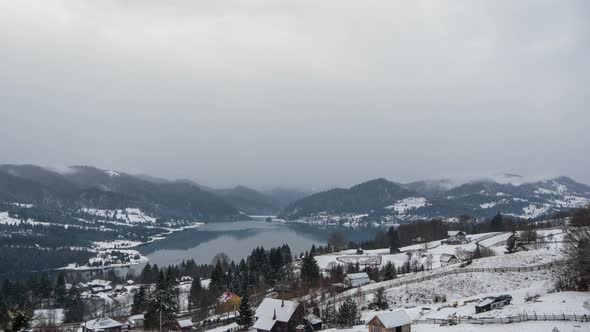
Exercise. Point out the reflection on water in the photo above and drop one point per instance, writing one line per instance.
(237, 239)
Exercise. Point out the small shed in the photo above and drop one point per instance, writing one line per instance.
(392, 321)
(357, 279)
(103, 324)
(184, 324)
(136, 321)
(448, 259)
(313, 322)
(491, 303)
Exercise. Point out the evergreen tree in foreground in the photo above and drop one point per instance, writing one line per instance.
(162, 300)
(380, 299)
(196, 293)
(348, 313)
(60, 291)
(20, 321)
(310, 271)
(389, 271)
(511, 242)
(245, 320)
(139, 301)
(74, 306)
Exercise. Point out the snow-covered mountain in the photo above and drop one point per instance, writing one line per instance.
(511, 195)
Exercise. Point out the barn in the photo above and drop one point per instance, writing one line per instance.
(357, 279)
(391, 321)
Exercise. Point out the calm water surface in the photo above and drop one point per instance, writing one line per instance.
(237, 239)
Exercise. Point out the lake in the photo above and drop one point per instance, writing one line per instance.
(237, 239)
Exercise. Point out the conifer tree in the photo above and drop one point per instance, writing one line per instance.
(60, 293)
(380, 299)
(139, 301)
(245, 320)
(511, 242)
(195, 294)
(20, 321)
(74, 306)
(310, 271)
(348, 313)
(389, 271)
(497, 223)
(162, 300)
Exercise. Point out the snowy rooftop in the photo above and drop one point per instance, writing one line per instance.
(224, 328)
(356, 276)
(271, 307)
(184, 323)
(101, 324)
(454, 233)
(394, 318)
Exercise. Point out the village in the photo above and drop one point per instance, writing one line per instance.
(451, 284)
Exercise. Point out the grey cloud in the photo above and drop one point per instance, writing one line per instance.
(304, 93)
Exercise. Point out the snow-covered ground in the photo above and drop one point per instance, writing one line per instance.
(47, 317)
(421, 252)
(407, 204)
(129, 215)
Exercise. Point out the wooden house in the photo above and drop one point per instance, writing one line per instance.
(491, 303)
(391, 321)
(455, 237)
(357, 279)
(446, 259)
(103, 324)
(278, 316)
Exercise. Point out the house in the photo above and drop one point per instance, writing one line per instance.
(185, 279)
(136, 321)
(278, 316)
(184, 324)
(446, 259)
(455, 237)
(227, 302)
(103, 324)
(357, 279)
(312, 322)
(391, 321)
(491, 303)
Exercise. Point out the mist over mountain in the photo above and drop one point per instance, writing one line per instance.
(382, 200)
(375, 200)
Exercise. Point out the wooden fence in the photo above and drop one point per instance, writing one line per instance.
(505, 320)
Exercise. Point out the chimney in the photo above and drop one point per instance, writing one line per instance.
(282, 303)
(274, 316)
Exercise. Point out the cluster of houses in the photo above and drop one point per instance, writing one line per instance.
(97, 286)
(274, 315)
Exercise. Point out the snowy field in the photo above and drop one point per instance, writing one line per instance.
(546, 253)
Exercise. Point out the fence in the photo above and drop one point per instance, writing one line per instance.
(505, 320)
(398, 283)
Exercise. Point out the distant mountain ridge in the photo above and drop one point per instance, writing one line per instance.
(381, 200)
(86, 186)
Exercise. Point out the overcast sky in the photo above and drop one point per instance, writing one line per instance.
(302, 93)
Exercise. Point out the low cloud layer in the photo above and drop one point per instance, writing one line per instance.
(297, 93)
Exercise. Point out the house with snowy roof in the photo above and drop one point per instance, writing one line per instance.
(278, 316)
(455, 237)
(492, 302)
(357, 279)
(448, 259)
(184, 324)
(391, 321)
(102, 324)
